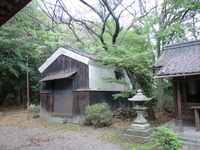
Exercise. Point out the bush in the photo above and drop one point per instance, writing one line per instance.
(98, 115)
(166, 139)
(36, 116)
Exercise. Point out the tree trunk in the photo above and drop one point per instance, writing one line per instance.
(150, 111)
(160, 95)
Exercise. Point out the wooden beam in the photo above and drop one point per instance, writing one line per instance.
(10, 3)
(5, 11)
(2, 17)
(176, 75)
(13, 7)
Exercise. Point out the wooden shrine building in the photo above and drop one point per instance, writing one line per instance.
(181, 63)
(72, 80)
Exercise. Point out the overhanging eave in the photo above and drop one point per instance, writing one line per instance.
(58, 76)
(175, 75)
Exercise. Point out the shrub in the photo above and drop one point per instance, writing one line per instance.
(166, 139)
(36, 116)
(98, 115)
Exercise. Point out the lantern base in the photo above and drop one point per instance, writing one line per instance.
(139, 132)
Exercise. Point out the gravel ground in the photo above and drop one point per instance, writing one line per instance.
(26, 138)
(18, 133)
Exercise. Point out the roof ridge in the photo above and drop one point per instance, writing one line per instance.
(182, 44)
(80, 52)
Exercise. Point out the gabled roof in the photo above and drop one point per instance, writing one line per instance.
(76, 54)
(80, 52)
(181, 59)
(8, 8)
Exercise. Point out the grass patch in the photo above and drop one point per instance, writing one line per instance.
(64, 127)
(140, 146)
(117, 137)
(108, 135)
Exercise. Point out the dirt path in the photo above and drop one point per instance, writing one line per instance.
(19, 138)
(18, 133)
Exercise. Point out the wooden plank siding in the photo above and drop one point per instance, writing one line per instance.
(106, 96)
(46, 105)
(64, 64)
(81, 100)
(77, 100)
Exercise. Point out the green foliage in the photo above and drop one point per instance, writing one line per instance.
(36, 116)
(98, 115)
(112, 80)
(131, 52)
(166, 139)
(124, 94)
(28, 33)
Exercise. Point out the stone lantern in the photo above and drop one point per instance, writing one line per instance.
(140, 129)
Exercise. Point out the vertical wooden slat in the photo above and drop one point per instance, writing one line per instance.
(81, 100)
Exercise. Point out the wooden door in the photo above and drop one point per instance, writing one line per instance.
(63, 98)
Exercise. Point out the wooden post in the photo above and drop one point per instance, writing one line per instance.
(175, 101)
(179, 106)
(27, 86)
(196, 112)
(185, 99)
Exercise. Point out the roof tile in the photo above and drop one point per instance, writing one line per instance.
(182, 58)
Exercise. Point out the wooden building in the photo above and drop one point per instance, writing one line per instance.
(72, 79)
(181, 63)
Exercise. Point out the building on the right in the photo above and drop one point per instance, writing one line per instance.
(181, 63)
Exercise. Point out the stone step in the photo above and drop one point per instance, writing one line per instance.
(58, 120)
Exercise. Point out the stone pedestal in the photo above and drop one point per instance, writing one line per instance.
(140, 129)
(139, 132)
(140, 119)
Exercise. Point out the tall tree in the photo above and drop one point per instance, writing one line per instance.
(117, 40)
(105, 22)
(27, 34)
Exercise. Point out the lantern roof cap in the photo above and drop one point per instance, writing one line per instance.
(139, 97)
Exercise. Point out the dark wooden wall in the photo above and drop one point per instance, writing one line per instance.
(85, 98)
(64, 64)
(187, 100)
(62, 97)
(106, 96)
(47, 87)
(81, 100)
(46, 105)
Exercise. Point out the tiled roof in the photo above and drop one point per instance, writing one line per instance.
(80, 52)
(179, 59)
